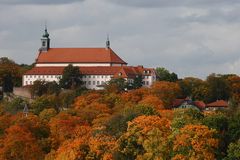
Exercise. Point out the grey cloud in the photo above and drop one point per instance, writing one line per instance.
(13, 2)
(172, 3)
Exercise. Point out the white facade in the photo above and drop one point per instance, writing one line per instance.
(29, 79)
(90, 81)
(95, 81)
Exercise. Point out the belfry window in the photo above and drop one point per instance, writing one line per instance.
(43, 43)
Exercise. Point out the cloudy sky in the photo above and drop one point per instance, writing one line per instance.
(188, 37)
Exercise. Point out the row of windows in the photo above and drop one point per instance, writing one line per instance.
(42, 76)
(95, 76)
(94, 82)
(145, 83)
(30, 83)
(85, 76)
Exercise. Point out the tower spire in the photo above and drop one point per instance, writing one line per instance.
(108, 42)
(45, 40)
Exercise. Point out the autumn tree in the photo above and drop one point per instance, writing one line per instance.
(117, 124)
(166, 91)
(195, 142)
(76, 148)
(153, 101)
(62, 127)
(146, 138)
(193, 87)
(20, 144)
(234, 82)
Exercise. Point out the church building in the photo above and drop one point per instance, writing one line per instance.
(97, 65)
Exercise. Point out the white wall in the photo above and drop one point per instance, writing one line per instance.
(92, 81)
(29, 79)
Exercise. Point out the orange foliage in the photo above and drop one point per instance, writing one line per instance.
(87, 99)
(63, 127)
(153, 101)
(169, 114)
(73, 149)
(235, 86)
(166, 91)
(197, 137)
(134, 96)
(102, 146)
(19, 143)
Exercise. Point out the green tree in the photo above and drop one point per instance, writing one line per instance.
(164, 75)
(9, 69)
(7, 83)
(184, 117)
(218, 88)
(38, 88)
(191, 87)
(137, 82)
(116, 85)
(233, 152)
(71, 77)
(117, 124)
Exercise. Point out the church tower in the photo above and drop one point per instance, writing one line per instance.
(45, 41)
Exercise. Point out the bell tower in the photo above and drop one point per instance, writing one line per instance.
(45, 41)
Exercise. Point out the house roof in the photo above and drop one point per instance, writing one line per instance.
(79, 55)
(200, 104)
(126, 71)
(218, 103)
(179, 102)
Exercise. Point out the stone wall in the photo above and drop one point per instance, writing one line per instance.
(22, 92)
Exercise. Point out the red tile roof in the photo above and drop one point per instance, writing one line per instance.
(127, 71)
(200, 104)
(79, 55)
(218, 103)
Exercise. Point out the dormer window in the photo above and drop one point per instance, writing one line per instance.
(120, 74)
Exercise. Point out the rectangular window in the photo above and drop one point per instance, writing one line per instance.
(102, 82)
(102, 76)
(89, 82)
(93, 82)
(93, 76)
(30, 76)
(26, 82)
(98, 82)
(34, 76)
(147, 83)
